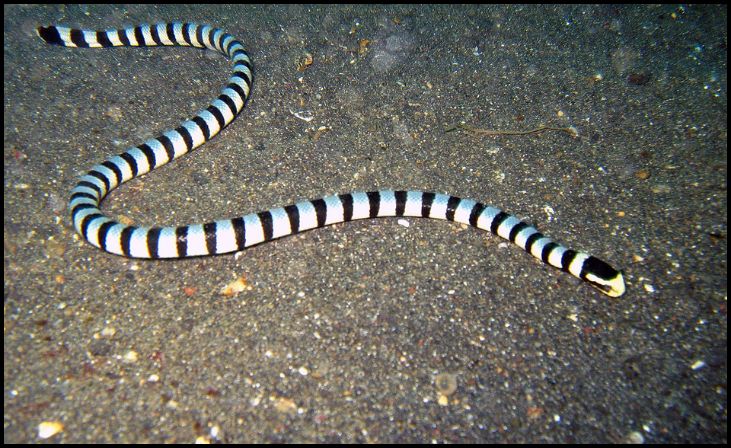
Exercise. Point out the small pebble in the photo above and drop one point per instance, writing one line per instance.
(446, 383)
(131, 356)
(635, 437)
(234, 287)
(642, 174)
(49, 429)
(698, 365)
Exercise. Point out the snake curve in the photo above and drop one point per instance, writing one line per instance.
(230, 235)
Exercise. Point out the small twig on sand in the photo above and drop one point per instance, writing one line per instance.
(477, 131)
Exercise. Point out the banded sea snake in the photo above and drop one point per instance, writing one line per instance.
(230, 235)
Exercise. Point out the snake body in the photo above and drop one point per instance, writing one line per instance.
(230, 235)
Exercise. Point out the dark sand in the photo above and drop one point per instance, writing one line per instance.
(342, 331)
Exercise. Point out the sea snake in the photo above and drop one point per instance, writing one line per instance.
(229, 235)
